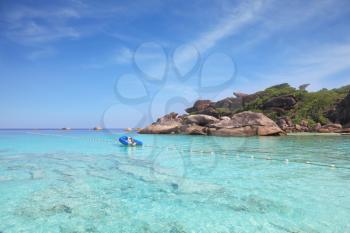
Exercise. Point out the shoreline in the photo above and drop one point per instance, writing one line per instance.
(133, 131)
(316, 134)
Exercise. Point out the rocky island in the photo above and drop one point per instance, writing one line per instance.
(275, 111)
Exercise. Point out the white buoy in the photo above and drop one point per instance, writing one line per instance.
(308, 162)
(252, 157)
(332, 165)
(212, 153)
(287, 161)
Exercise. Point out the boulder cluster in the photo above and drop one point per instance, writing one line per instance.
(240, 124)
(289, 127)
(277, 110)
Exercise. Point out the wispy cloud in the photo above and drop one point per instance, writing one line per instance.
(237, 18)
(123, 56)
(41, 53)
(310, 66)
(281, 17)
(28, 25)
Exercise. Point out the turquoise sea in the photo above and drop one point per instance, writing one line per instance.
(85, 181)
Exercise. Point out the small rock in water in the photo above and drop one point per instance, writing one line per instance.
(34, 175)
(67, 209)
(62, 208)
(175, 186)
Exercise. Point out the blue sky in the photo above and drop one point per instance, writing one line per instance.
(124, 63)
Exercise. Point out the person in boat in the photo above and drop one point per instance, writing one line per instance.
(131, 141)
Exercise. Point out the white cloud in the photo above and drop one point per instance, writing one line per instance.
(29, 26)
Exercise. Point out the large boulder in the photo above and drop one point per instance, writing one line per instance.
(169, 118)
(210, 111)
(331, 128)
(251, 98)
(317, 127)
(246, 124)
(345, 130)
(229, 103)
(240, 131)
(201, 119)
(160, 129)
(167, 124)
(199, 105)
(193, 130)
(341, 113)
(282, 123)
(283, 102)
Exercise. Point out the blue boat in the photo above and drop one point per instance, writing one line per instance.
(133, 142)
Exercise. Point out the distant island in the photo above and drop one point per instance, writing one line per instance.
(277, 110)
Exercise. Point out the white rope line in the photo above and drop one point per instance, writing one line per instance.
(223, 152)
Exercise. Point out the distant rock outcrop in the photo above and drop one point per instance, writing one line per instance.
(239, 94)
(303, 87)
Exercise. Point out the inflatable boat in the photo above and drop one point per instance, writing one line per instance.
(134, 142)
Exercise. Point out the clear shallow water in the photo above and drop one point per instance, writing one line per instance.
(83, 181)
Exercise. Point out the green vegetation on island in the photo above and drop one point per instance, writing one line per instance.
(313, 107)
